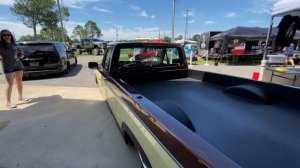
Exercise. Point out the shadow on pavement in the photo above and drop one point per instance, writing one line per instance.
(56, 132)
(74, 71)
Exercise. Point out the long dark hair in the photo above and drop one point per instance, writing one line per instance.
(3, 42)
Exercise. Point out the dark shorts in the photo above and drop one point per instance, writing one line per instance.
(10, 71)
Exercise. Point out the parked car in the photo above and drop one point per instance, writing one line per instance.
(42, 58)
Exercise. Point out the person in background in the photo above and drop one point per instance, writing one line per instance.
(12, 65)
(289, 52)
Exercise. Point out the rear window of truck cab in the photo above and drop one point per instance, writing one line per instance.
(149, 56)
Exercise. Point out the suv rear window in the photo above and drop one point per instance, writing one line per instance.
(30, 48)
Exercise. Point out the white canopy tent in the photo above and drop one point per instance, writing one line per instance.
(280, 8)
(286, 7)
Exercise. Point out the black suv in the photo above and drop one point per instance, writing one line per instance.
(41, 58)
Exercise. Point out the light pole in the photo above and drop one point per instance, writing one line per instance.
(173, 16)
(61, 22)
(186, 25)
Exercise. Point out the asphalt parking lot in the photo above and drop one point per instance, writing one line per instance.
(66, 124)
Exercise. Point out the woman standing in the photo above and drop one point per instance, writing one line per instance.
(12, 65)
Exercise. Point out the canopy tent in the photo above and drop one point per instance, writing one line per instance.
(246, 34)
(286, 7)
(185, 41)
(243, 33)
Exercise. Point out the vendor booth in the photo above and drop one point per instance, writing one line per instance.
(289, 11)
(242, 42)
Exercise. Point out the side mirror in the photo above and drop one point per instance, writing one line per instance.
(69, 51)
(93, 65)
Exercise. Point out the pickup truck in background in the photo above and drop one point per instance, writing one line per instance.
(93, 46)
(176, 117)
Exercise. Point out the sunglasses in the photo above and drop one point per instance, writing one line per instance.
(8, 35)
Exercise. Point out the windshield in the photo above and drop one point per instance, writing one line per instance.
(139, 56)
(96, 40)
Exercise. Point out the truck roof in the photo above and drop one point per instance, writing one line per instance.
(129, 44)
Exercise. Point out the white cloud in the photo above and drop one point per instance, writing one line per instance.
(141, 12)
(78, 4)
(6, 2)
(254, 21)
(230, 15)
(17, 28)
(261, 6)
(137, 32)
(210, 22)
(144, 14)
(192, 21)
(102, 10)
(134, 7)
(190, 13)
(73, 23)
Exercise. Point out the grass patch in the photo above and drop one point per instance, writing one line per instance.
(201, 61)
(83, 54)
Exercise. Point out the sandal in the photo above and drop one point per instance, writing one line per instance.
(23, 100)
(11, 106)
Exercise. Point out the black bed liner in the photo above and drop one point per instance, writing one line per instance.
(251, 134)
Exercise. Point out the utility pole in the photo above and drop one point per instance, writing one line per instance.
(173, 16)
(159, 34)
(186, 25)
(61, 22)
(117, 35)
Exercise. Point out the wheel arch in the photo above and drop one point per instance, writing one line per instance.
(129, 138)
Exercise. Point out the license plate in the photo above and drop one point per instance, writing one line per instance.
(33, 64)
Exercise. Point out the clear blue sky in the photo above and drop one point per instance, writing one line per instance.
(146, 18)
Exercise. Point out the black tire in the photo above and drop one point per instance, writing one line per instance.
(95, 51)
(68, 69)
(130, 139)
(144, 165)
(78, 51)
(75, 61)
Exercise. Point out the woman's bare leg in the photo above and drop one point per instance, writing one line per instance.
(286, 60)
(291, 61)
(19, 77)
(10, 82)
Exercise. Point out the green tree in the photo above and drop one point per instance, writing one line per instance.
(31, 38)
(196, 37)
(31, 11)
(50, 20)
(79, 31)
(92, 29)
(180, 37)
(26, 38)
(167, 39)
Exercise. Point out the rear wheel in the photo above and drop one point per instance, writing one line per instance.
(130, 139)
(68, 68)
(75, 61)
(78, 51)
(95, 51)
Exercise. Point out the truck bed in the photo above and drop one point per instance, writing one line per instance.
(249, 133)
